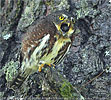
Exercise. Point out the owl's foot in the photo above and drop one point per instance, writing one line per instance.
(42, 65)
(51, 65)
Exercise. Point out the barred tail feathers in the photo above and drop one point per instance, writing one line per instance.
(21, 77)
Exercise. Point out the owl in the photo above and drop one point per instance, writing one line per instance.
(46, 43)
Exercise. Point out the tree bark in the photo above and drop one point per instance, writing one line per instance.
(89, 55)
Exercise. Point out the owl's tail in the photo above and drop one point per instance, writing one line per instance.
(20, 78)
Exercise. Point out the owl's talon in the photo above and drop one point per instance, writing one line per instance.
(42, 65)
(51, 65)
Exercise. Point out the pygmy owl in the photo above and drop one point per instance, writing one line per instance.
(46, 43)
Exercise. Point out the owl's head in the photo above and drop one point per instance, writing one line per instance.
(64, 23)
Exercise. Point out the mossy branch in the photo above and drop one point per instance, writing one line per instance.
(55, 84)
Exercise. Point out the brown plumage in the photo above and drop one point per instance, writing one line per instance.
(36, 33)
(47, 42)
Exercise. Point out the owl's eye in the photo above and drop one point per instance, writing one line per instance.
(61, 17)
(64, 27)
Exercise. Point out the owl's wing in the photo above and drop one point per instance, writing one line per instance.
(35, 34)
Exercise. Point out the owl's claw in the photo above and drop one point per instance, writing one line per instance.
(51, 65)
(42, 65)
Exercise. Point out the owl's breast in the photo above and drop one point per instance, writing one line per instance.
(57, 52)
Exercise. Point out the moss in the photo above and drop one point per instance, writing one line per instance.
(66, 90)
(11, 69)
